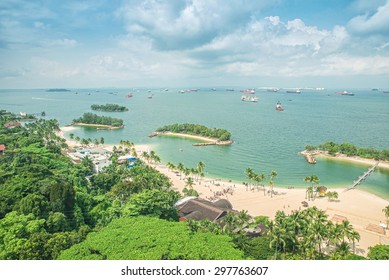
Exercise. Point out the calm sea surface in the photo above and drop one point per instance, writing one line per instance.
(265, 139)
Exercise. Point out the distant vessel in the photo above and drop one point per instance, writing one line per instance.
(273, 89)
(129, 95)
(385, 91)
(229, 89)
(249, 98)
(279, 107)
(293, 91)
(344, 93)
(248, 91)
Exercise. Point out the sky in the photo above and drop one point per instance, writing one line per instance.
(201, 43)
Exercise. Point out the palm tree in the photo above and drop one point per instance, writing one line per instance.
(250, 173)
(180, 168)
(346, 229)
(102, 140)
(230, 221)
(200, 167)
(71, 135)
(386, 213)
(243, 219)
(313, 179)
(354, 235)
(170, 166)
(273, 174)
(189, 182)
(145, 155)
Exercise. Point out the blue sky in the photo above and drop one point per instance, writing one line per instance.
(183, 43)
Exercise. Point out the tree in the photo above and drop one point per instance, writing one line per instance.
(273, 174)
(313, 179)
(378, 252)
(150, 238)
(386, 213)
(154, 203)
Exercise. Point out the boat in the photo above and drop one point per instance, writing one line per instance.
(385, 91)
(129, 95)
(279, 107)
(248, 91)
(249, 98)
(273, 90)
(344, 93)
(293, 91)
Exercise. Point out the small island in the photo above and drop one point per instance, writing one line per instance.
(99, 122)
(347, 151)
(57, 90)
(109, 108)
(208, 136)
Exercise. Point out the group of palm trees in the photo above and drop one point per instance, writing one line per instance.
(310, 235)
(191, 175)
(86, 141)
(151, 157)
(258, 178)
(310, 193)
(232, 223)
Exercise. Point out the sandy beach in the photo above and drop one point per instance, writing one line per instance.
(359, 207)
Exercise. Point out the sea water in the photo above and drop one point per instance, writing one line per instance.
(264, 139)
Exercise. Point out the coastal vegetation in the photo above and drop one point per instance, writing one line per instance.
(198, 130)
(350, 150)
(93, 119)
(109, 108)
(51, 208)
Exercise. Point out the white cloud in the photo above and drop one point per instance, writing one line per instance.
(175, 25)
(377, 23)
(66, 43)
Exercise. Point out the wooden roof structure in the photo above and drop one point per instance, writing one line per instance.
(199, 209)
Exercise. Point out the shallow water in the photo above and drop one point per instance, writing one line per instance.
(265, 139)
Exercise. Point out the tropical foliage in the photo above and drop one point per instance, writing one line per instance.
(109, 108)
(196, 129)
(147, 238)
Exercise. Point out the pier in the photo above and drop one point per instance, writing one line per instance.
(363, 177)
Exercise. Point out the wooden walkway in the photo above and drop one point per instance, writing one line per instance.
(363, 177)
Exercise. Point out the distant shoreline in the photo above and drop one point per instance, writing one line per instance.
(207, 141)
(342, 157)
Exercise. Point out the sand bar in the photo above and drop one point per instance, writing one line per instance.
(342, 157)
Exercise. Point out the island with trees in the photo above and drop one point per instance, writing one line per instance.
(109, 108)
(100, 122)
(208, 136)
(347, 151)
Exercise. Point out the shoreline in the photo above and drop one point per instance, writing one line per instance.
(206, 140)
(342, 157)
(360, 207)
(97, 126)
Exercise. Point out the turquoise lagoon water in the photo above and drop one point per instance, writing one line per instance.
(265, 139)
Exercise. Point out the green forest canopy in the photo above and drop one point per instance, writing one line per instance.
(148, 238)
(109, 108)
(197, 129)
